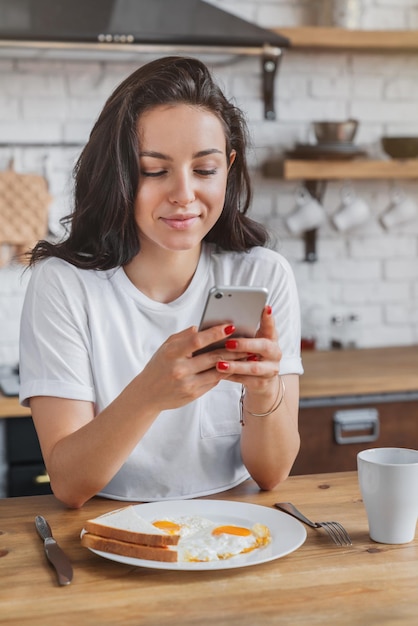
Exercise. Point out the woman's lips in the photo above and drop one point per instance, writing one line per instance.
(182, 222)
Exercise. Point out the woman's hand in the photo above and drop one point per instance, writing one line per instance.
(174, 376)
(259, 368)
(269, 443)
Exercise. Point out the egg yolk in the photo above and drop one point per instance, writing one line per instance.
(231, 530)
(169, 527)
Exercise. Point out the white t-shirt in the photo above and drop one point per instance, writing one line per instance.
(86, 334)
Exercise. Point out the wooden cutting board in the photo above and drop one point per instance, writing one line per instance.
(24, 202)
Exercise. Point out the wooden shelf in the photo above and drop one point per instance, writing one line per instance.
(359, 169)
(341, 38)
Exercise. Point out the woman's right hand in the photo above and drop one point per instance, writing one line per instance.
(174, 377)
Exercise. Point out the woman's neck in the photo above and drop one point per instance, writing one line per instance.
(164, 276)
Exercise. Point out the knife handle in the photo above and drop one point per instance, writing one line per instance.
(43, 527)
(54, 553)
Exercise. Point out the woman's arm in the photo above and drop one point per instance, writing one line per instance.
(82, 452)
(269, 444)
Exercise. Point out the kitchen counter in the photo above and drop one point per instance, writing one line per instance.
(318, 584)
(331, 373)
(10, 407)
(359, 372)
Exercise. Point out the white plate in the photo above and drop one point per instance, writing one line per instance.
(287, 534)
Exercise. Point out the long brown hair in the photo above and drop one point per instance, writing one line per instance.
(101, 230)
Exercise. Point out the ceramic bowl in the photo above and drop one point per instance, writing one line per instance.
(331, 132)
(400, 147)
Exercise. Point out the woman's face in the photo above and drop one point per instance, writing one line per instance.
(183, 173)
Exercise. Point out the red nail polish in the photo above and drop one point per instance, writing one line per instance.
(252, 357)
(231, 344)
(222, 365)
(269, 310)
(228, 330)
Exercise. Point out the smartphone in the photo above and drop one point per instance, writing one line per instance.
(240, 306)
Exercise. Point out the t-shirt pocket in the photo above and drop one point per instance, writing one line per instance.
(220, 412)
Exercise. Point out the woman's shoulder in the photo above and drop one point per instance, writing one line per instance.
(56, 267)
(51, 271)
(54, 275)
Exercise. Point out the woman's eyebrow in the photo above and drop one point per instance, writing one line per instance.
(159, 155)
(202, 153)
(154, 155)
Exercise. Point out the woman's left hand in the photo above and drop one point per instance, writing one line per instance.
(270, 439)
(258, 372)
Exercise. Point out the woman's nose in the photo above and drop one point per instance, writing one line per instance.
(182, 190)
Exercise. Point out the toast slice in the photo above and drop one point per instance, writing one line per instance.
(127, 526)
(125, 548)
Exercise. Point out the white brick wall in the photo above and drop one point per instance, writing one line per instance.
(369, 271)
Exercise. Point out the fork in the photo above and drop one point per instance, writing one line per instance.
(335, 530)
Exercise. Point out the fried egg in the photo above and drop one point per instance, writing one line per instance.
(204, 540)
(184, 525)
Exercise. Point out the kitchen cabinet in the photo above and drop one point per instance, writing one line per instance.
(351, 400)
(333, 430)
(26, 474)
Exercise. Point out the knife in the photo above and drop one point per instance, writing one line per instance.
(53, 552)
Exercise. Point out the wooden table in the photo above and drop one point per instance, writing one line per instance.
(320, 583)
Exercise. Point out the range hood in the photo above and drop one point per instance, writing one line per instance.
(146, 25)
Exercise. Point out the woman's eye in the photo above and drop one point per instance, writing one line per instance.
(206, 172)
(153, 174)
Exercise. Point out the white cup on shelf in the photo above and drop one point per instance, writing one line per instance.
(353, 211)
(307, 215)
(403, 209)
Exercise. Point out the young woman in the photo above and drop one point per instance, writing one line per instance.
(121, 406)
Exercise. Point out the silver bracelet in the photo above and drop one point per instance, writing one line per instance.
(276, 403)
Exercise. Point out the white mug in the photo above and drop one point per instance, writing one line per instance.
(403, 209)
(388, 480)
(353, 211)
(341, 13)
(308, 214)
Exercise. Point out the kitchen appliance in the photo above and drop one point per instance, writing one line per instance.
(139, 26)
(190, 22)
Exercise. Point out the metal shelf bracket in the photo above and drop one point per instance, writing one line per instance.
(270, 62)
(317, 190)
